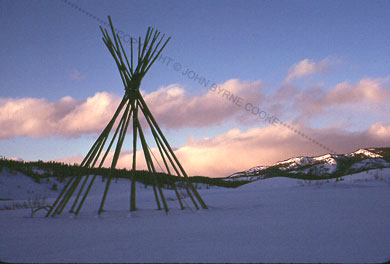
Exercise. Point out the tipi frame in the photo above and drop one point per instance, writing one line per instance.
(127, 112)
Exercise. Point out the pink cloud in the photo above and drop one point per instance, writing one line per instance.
(90, 116)
(372, 92)
(171, 106)
(308, 67)
(67, 116)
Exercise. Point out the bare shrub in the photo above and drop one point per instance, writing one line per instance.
(35, 203)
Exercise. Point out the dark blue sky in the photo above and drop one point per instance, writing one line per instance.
(45, 41)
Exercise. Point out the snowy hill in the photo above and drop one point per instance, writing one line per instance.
(51, 177)
(15, 185)
(329, 165)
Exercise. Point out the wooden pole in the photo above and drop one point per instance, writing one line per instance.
(118, 148)
(162, 149)
(133, 182)
(147, 112)
(59, 197)
(168, 171)
(86, 178)
(67, 196)
(149, 158)
(104, 135)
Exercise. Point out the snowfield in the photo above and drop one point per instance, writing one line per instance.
(272, 220)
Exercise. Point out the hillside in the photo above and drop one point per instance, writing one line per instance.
(19, 179)
(321, 167)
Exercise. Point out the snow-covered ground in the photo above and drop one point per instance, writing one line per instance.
(272, 220)
(17, 186)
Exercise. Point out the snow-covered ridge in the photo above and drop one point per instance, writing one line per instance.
(365, 153)
(302, 161)
(294, 162)
(324, 165)
(252, 170)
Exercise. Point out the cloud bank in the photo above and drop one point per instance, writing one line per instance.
(238, 150)
(171, 106)
(67, 116)
(315, 100)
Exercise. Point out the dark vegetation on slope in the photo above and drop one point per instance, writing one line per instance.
(344, 167)
(62, 171)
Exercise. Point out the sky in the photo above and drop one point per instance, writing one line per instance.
(240, 84)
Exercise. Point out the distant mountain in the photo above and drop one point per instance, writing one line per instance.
(325, 166)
